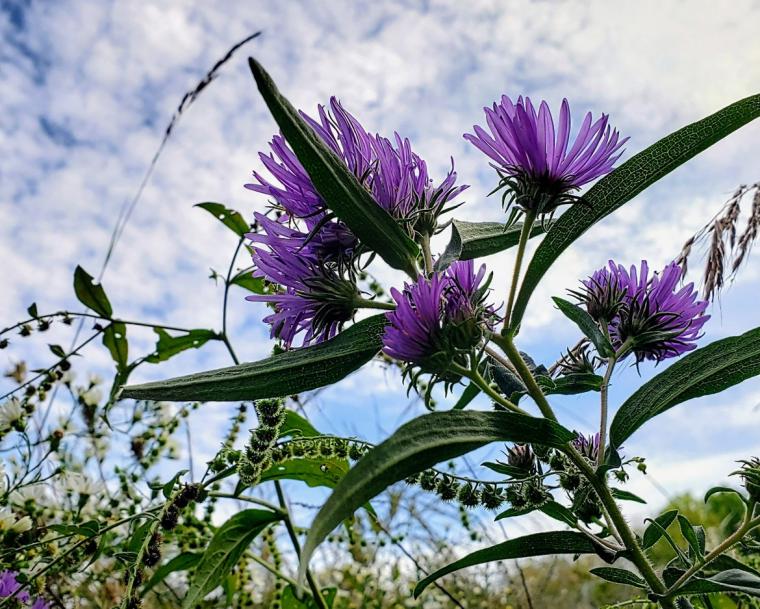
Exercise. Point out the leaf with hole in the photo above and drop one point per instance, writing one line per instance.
(229, 217)
(167, 346)
(284, 374)
(339, 188)
(711, 369)
(418, 445)
(91, 294)
(625, 182)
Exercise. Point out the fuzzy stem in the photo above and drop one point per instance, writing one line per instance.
(363, 303)
(427, 257)
(604, 390)
(530, 217)
(486, 388)
(726, 545)
(525, 374)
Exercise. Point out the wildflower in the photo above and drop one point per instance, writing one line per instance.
(650, 316)
(9, 522)
(438, 318)
(540, 165)
(588, 446)
(10, 586)
(11, 415)
(750, 472)
(521, 457)
(314, 299)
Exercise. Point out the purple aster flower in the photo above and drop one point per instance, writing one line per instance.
(651, 314)
(539, 164)
(438, 319)
(10, 586)
(314, 300)
(402, 186)
(296, 193)
(40, 603)
(588, 446)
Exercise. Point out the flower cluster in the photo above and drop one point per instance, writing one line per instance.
(311, 254)
(537, 163)
(649, 316)
(440, 319)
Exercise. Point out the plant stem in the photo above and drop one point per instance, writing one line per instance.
(726, 545)
(427, 257)
(604, 390)
(629, 539)
(318, 599)
(486, 388)
(530, 217)
(363, 303)
(534, 390)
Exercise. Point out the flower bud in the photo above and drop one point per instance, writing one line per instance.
(750, 473)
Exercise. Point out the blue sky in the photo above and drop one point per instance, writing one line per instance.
(88, 88)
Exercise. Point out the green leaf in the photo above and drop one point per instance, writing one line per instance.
(708, 370)
(733, 580)
(339, 188)
(620, 576)
(655, 530)
(167, 346)
(506, 469)
(471, 240)
(229, 217)
(538, 544)
(550, 508)
(628, 180)
(91, 294)
(690, 535)
(571, 384)
(32, 310)
(247, 281)
(181, 562)
(296, 426)
(115, 340)
(587, 325)
(468, 395)
(224, 550)
(313, 471)
(58, 351)
(420, 444)
(723, 489)
(626, 495)
(284, 374)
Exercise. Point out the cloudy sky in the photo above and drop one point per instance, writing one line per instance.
(88, 88)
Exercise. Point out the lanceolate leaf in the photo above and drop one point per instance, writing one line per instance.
(587, 325)
(283, 374)
(313, 471)
(628, 180)
(167, 346)
(420, 444)
(538, 544)
(654, 532)
(708, 370)
(733, 580)
(471, 240)
(229, 217)
(339, 188)
(224, 550)
(91, 294)
(468, 395)
(620, 576)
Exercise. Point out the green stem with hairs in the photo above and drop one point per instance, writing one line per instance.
(363, 303)
(486, 388)
(530, 218)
